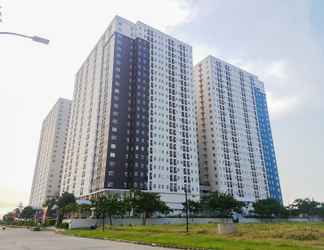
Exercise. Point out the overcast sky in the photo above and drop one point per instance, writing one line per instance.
(280, 41)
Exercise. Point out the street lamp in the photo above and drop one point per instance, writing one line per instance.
(33, 38)
(187, 207)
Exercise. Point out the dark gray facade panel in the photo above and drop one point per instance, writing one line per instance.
(127, 155)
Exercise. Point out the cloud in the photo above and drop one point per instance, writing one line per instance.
(274, 40)
(280, 101)
(11, 197)
(33, 76)
(277, 70)
(4, 204)
(279, 107)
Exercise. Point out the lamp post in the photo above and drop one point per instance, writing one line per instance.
(187, 208)
(33, 38)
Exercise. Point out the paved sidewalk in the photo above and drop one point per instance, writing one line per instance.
(23, 239)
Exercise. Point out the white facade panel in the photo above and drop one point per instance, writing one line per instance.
(170, 59)
(50, 158)
(230, 152)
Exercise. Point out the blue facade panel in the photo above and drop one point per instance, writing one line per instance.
(267, 145)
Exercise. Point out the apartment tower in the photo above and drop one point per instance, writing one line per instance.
(133, 117)
(235, 148)
(50, 157)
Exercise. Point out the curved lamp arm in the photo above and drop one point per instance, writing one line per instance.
(34, 38)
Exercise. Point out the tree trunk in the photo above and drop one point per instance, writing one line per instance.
(57, 218)
(144, 218)
(103, 223)
(60, 217)
(110, 220)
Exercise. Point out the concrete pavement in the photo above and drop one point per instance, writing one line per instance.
(23, 239)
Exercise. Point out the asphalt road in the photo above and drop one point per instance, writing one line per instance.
(23, 239)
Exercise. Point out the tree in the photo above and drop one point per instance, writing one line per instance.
(307, 207)
(127, 203)
(27, 213)
(100, 206)
(108, 205)
(9, 218)
(268, 208)
(149, 203)
(194, 207)
(62, 203)
(223, 203)
(320, 211)
(84, 209)
(16, 212)
(71, 208)
(65, 199)
(50, 203)
(113, 206)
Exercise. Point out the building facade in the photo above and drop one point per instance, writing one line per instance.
(50, 157)
(133, 121)
(267, 142)
(233, 155)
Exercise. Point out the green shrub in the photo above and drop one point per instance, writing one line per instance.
(50, 222)
(63, 225)
(27, 223)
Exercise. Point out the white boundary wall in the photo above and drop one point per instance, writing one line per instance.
(86, 223)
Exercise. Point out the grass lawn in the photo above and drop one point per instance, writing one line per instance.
(287, 236)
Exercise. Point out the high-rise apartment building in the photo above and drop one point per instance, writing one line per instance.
(133, 117)
(50, 157)
(235, 146)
